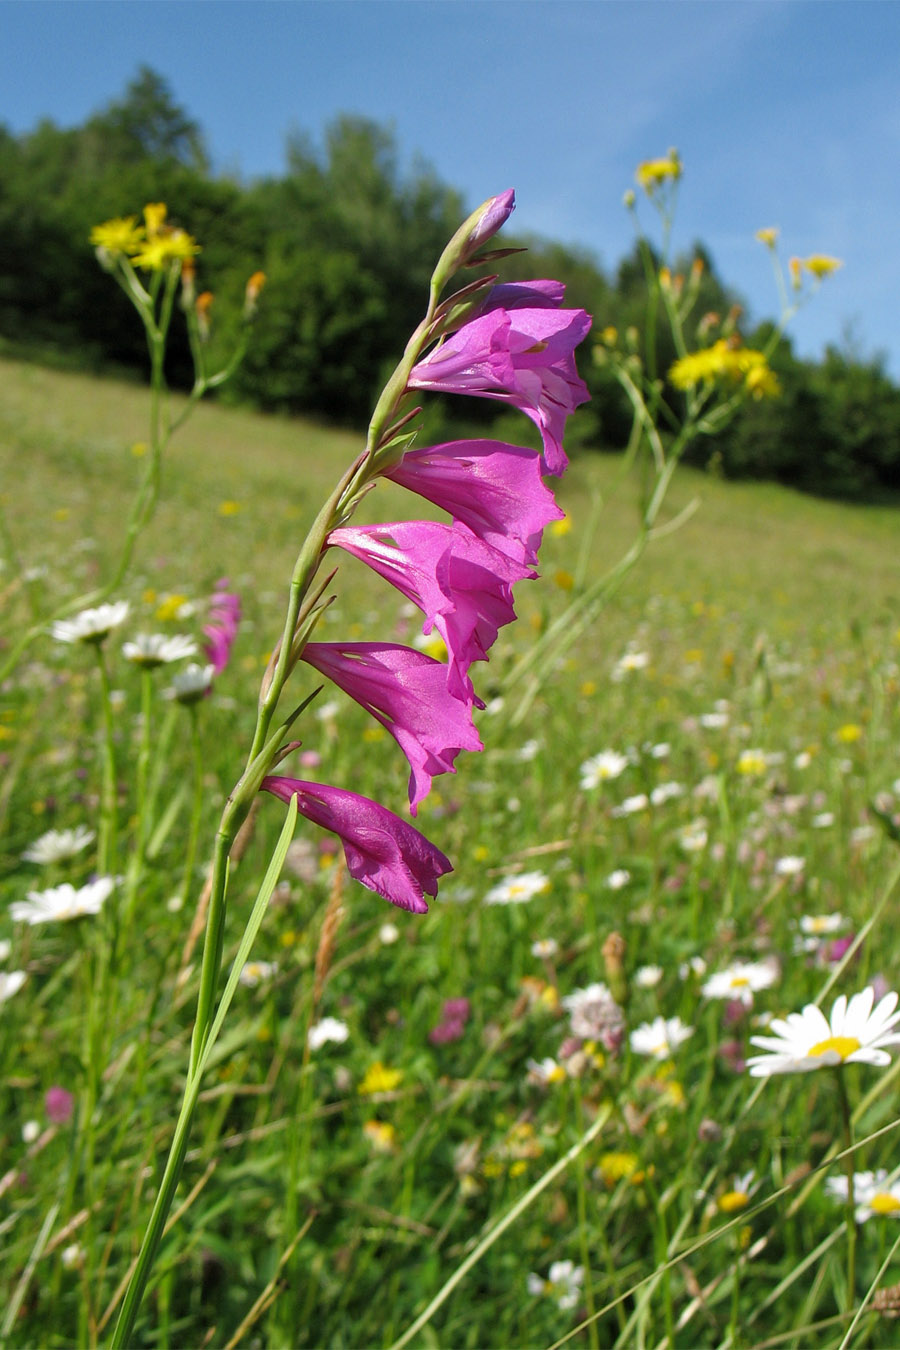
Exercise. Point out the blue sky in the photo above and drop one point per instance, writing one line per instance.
(785, 113)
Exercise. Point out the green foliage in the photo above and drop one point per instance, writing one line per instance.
(345, 237)
(768, 621)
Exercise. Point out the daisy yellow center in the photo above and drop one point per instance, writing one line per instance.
(884, 1203)
(739, 981)
(844, 1046)
(732, 1201)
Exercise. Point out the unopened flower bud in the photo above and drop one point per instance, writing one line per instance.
(203, 307)
(480, 226)
(188, 278)
(251, 294)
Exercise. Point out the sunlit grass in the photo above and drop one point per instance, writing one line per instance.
(770, 625)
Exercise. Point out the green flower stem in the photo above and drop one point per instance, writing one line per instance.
(205, 1036)
(850, 1209)
(106, 833)
(581, 1183)
(196, 805)
(142, 822)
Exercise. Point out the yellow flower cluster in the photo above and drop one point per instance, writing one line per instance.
(819, 265)
(379, 1078)
(151, 246)
(722, 361)
(653, 173)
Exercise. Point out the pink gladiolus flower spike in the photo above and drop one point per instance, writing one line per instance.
(462, 585)
(407, 692)
(493, 488)
(383, 852)
(525, 357)
(221, 629)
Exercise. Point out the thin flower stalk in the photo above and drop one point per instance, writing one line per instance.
(408, 692)
(155, 306)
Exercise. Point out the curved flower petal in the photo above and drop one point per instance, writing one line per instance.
(407, 692)
(383, 852)
(462, 585)
(525, 357)
(494, 488)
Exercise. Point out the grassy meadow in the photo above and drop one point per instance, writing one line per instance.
(745, 674)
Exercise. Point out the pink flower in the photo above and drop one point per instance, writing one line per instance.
(58, 1103)
(407, 692)
(383, 852)
(462, 585)
(493, 488)
(221, 630)
(495, 212)
(523, 356)
(543, 294)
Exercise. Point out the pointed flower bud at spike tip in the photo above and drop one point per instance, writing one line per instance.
(480, 226)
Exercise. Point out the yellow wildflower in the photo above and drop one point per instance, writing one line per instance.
(725, 361)
(120, 235)
(379, 1079)
(229, 508)
(154, 217)
(762, 382)
(751, 762)
(381, 1135)
(560, 527)
(849, 733)
(652, 173)
(614, 1166)
(821, 265)
(173, 607)
(563, 579)
(158, 252)
(768, 236)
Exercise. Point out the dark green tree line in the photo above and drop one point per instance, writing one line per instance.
(347, 238)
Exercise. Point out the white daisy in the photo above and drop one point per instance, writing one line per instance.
(388, 934)
(5, 949)
(62, 902)
(818, 925)
(741, 981)
(257, 972)
(91, 625)
(192, 683)
(694, 837)
(659, 1037)
(57, 845)
(872, 1193)
(155, 649)
(10, 983)
(790, 866)
(518, 890)
(325, 1030)
(822, 820)
(618, 879)
(739, 1196)
(713, 721)
(631, 805)
(630, 662)
(855, 1033)
(544, 1072)
(648, 977)
(545, 948)
(601, 768)
(563, 1283)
